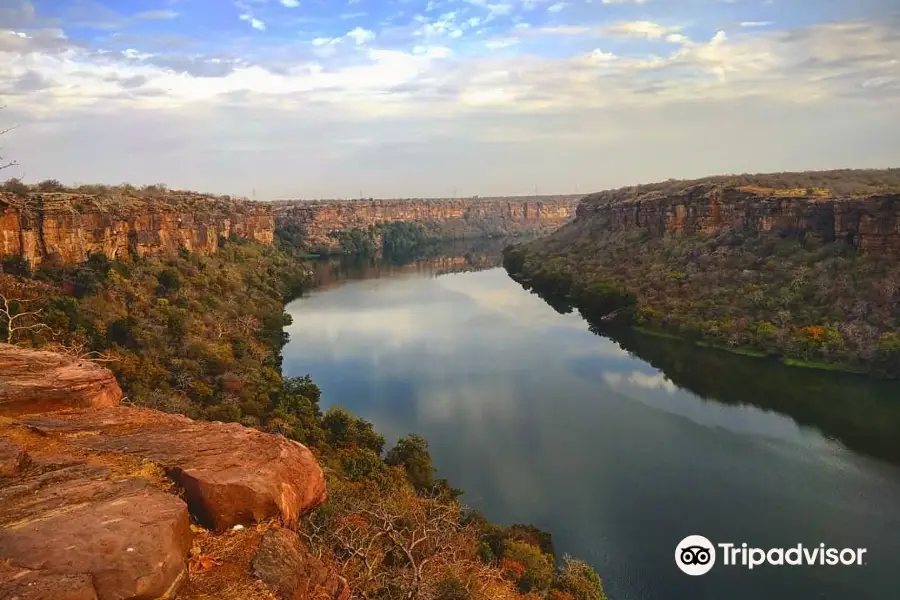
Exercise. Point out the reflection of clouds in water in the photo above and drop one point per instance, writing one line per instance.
(741, 419)
(639, 379)
(427, 321)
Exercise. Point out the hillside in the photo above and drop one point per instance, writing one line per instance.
(800, 266)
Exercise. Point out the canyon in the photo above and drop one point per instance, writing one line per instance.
(66, 227)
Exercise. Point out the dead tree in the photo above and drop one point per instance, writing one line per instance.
(10, 314)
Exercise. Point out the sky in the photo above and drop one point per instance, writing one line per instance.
(436, 98)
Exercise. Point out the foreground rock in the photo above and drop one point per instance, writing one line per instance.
(66, 524)
(88, 504)
(230, 474)
(284, 565)
(33, 382)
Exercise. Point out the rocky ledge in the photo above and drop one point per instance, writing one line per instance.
(107, 502)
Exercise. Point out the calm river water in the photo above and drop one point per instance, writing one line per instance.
(618, 448)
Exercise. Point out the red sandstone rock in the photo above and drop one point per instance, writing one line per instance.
(871, 223)
(13, 459)
(33, 381)
(64, 525)
(117, 226)
(292, 573)
(230, 474)
(448, 218)
(25, 584)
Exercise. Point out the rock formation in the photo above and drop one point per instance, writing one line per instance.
(96, 502)
(872, 222)
(445, 218)
(66, 227)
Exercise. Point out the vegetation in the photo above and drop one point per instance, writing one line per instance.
(782, 293)
(399, 239)
(839, 182)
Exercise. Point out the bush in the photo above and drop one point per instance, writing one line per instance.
(538, 567)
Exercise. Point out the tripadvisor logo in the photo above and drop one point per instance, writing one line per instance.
(696, 555)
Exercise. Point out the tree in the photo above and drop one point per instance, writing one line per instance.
(579, 580)
(6, 163)
(16, 319)
(411, 453)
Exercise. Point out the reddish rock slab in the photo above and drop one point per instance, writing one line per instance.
(285, 565)
(25, 584)
(61, 521)
(32, 381)
(230, 474)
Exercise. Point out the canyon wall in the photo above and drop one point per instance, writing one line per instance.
(66, 227)
(444, 218)
(871, 223)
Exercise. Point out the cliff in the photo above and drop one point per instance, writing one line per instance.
(443, 218)
(871, 223)
(66, 227)
(98, 499)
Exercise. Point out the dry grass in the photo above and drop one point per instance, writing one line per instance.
(225, 574)
(789, 192)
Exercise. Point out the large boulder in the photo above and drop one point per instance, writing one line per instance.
(230, 474)
(292, 573)
(32, 382)
(64, 524)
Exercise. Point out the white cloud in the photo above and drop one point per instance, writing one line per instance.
(555, 8)
(151, 15)
(755, 23)
(501, 43)
(290, 3)
(647, 29)
(254, 22)
(360, 35)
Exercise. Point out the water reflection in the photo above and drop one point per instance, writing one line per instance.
(619, 448)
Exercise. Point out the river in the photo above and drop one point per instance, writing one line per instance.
(618, 448)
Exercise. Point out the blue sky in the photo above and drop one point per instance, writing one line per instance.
(315, 98)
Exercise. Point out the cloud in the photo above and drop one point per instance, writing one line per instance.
(254, 22)
(290, 3)
(755, 23)
(360, 35)
(473, 85)
(647, 29)
(555, 8)
(152, 15)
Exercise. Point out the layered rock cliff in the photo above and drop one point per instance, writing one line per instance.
(97, 499)
(444, 218)
(871, 223)
(67, 227)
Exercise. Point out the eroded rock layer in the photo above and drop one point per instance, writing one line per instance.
(871, 222)
(67, 227)
(446, 218)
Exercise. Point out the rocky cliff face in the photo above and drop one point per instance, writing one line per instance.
(871, 223)
(445, 218)
(66, 227)
(97, 499)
